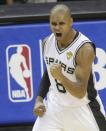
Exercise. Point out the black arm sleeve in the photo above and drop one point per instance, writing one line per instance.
(44, 85)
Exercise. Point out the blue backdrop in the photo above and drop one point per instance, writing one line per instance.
(15, 107)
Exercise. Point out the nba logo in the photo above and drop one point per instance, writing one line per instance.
(19, 73)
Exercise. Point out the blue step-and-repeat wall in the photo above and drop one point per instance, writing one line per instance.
(21, 66)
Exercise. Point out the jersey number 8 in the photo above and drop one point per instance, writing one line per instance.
(60, 87)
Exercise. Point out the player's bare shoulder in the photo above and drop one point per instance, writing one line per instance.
(86, 53)
(88, 49)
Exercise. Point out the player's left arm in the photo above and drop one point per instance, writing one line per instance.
(84, 59)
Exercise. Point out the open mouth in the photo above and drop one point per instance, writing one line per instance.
(58, 34)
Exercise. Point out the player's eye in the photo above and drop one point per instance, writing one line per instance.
(61, 23)
(54, 23)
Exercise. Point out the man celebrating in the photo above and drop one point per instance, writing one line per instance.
(71, 103)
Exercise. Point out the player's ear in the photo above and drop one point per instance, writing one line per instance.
(71, 21)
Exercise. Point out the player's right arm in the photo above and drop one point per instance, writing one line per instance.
(39, 108)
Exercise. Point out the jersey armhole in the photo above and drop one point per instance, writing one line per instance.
(44, 41)
(83, 43)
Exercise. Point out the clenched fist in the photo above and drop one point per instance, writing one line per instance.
(56, 71)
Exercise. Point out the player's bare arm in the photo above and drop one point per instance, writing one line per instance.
(84, 59)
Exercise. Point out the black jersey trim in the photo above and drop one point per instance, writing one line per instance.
(99, 117)
(94, 105)
(70, 44)
(44, 41)
(92, 93)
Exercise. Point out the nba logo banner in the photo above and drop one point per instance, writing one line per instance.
(19, 72)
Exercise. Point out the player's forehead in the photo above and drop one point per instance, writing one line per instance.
(58, 16)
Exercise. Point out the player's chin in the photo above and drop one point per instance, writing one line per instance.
(41, 114)
(59, 39)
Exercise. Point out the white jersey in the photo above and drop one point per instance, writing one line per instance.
(66, 57)
(61, 112)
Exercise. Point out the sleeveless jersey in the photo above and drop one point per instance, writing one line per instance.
(66, 57)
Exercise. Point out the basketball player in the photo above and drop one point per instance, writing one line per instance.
(71, 103)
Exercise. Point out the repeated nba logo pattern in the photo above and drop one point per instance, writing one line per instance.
(19, 73)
